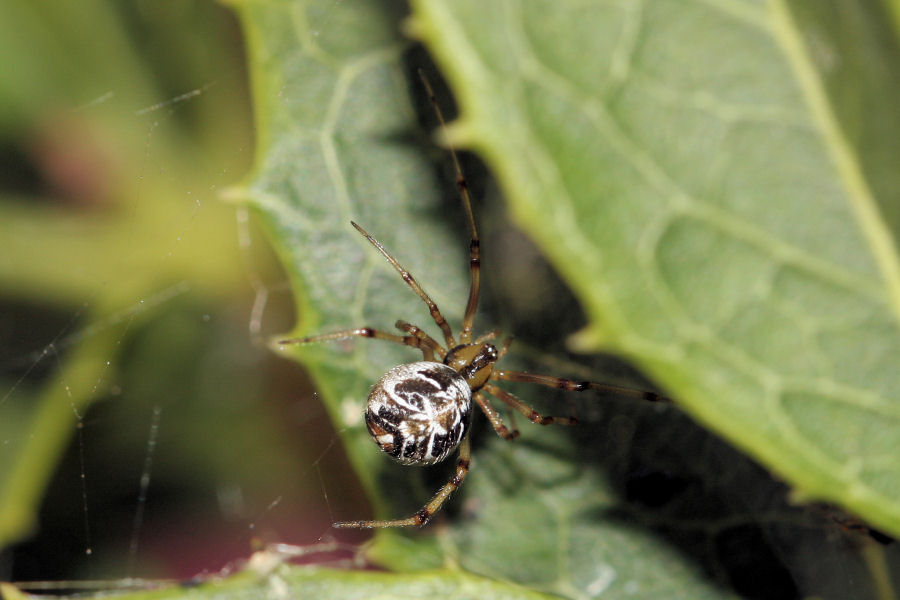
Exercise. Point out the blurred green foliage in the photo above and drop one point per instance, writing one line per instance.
(126, 296)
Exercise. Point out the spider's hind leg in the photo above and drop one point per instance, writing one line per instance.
(426, 512)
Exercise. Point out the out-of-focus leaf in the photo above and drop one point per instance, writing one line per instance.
(299, 582)
(107, 211)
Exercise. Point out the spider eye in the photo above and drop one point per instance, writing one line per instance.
(418, 413)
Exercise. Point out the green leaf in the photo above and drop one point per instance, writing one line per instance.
(666, 158)
(266, 578)
(717, 182)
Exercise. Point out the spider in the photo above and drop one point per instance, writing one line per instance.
(419, 413)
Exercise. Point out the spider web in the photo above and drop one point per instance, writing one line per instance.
(146, 429)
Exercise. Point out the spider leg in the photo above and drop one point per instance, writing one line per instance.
(427, 511)
(426, 339)
(511, 417)
(504, 348)
(465, 334)
(571, 385)
(366, 332)
(530, 414)
(487, 336)
(414, 285)
(495, 418)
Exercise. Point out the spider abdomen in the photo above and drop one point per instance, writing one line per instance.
(418, 413)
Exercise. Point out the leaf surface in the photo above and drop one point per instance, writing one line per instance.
(279, 581)
(712, 181)
(671, 183)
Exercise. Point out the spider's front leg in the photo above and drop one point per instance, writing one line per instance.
(424, 338)
(519, 406)
(571, 385)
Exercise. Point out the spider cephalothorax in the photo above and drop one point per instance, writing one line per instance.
(474, 362)
(419, 413)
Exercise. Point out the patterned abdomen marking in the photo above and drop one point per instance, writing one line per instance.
(418, 413)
